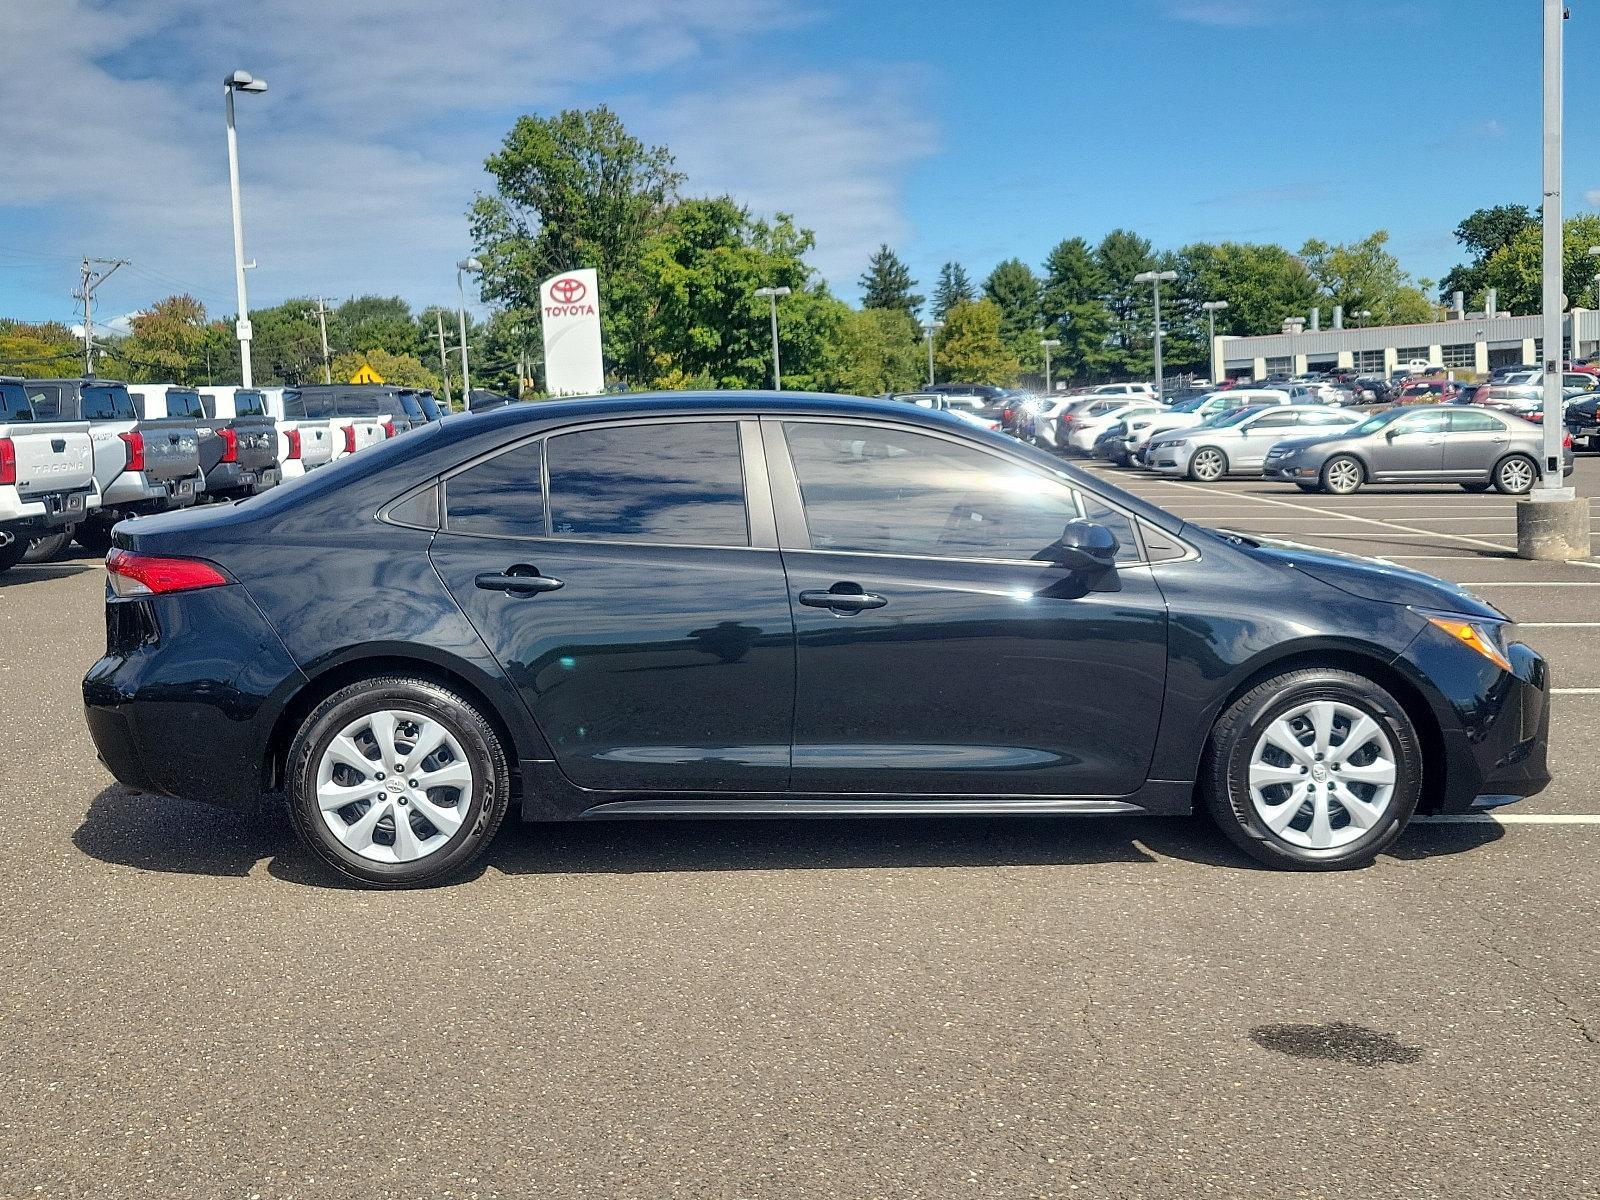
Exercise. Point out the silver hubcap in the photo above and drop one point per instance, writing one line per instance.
(394, 786)
(1516, 476)
(1322, 775)
(1208, 464)
(1344, 476)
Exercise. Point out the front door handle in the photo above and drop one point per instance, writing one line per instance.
(523, 580)
(852, 600)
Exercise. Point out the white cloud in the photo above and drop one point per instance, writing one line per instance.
(360, 161)
(1592, 197)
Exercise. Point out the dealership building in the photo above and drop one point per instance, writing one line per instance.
(1474, 343)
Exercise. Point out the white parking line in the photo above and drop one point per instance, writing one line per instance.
(1485, 818)
(1558, 625)
(1585, 583)
(1575, 691)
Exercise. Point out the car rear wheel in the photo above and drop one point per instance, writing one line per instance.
(1342, 475)
(1208, 465)
(396, 782)
(1515, 474)
(48, 548)
(1315, 770)
(11, 553)
(1475, 487)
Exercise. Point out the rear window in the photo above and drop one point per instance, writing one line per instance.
(108, 404)
(429, 405)
(368, 405)
(307, 405)
(249, 404)
(46, 400)
(408, 401)
(182, 402)
(14, 404)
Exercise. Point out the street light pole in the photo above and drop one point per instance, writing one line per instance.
(1156, 279)
(772, 294)
(1212, 308)
(462, 267)
(1049, 344)
(241, 81)
(928, 331)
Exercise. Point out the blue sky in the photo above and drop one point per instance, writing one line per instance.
(972, 131)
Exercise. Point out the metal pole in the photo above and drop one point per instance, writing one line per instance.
(322, 322)
(242, 325)
(444, 363)
(1157, 283)
(928, 335)
(1047, 370)
(1550, 481)
(88, 325)
(466, 373)
(777, 373)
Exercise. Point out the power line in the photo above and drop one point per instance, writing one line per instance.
(92, 279)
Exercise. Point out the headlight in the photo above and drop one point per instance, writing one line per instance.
(1484, 637)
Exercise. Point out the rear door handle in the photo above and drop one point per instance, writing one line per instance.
(851, 601)
(519, 579)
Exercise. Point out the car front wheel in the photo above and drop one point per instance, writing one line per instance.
(396, 782)
(1208, 465)
(1314, 770)
(1342, 475)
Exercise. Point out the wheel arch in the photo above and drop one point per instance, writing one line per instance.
(517, 738)
(1385, 674)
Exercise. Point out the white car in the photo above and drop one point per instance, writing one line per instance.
(1236, 442)
(958, 406)
(1141, 388)
(1086, 427)
(1047, 412)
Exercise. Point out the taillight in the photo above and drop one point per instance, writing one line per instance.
(349, 439)
(133, 574)
(8, 461)
(135, 444)
(1482, 394)
(1566, 442)
(292, 437)
(388, 429)
(230, 445)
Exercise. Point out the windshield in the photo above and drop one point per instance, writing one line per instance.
(1231, 416)
(1376, 422)
(249, 404)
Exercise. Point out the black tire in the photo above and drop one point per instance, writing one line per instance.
(1226, 770)
(48, 548)
(1216, 465)
(1522, 480)
(11, 553)
(489, 799)
(94, 536)
(1475, 488)
(1336, 478)
(1306, 487)
(1594, 444)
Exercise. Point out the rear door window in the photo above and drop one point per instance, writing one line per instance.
(14, 404)
(45, 399)
(1475, 422)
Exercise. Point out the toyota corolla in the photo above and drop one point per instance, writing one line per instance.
(720, 605)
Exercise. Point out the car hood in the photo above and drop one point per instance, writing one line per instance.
(1372, 578)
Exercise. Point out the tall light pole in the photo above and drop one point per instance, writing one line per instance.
(772, 294)
(462, 267)
(1155, 279)
(239, 81)
(1362, 316)
(928, 331)
(1049, 344)
(1212, 308)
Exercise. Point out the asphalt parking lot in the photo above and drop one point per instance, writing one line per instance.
(1019, 1007)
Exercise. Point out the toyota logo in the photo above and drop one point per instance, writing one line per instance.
(568, 290)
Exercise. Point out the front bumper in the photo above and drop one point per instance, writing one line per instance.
(1167, 458)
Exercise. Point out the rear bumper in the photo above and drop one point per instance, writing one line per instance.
(239, 479)
(135, 492)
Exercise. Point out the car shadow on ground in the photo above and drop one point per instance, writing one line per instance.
(152, 833)
(26, 573)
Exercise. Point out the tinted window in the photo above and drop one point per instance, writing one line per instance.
(184, 403)
(669, 482)
(1272, 420)
(46, 400)
(430, 406)
(1475, 422)
(312, 406)
(408, 401)
(249, 404)
(14, 404)
(501, 496)
(892, 491)
(107, 404)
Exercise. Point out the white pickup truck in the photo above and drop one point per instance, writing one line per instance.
(47, 482)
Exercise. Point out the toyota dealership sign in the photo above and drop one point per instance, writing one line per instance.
(570, 306)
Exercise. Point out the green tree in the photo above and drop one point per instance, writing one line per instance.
(402, 370)
(571, 191)
(1014, 288)
(38, 351)
(1261, 283)
(887, 283)
(1483, 233)
(1120, 256)
(953, 287)
(1073, 310)
(287, 348)
(1515, 269)
(1365, 275)
(372, 323)
(969, 348)
(708, 327)
(167, 342)
(877, 351)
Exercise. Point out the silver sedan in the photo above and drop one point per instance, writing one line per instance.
(1435, 444)
(1237, 442)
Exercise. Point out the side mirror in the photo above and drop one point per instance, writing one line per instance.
(1086, 546)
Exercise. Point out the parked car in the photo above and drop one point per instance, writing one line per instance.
(1466, 445)
(954, 406)
(1046, 419)
(1139, 389)
(1203, 411)
(141, 467)
(46, 477)
(353, 421)
(238, 453)
(1522, 394)
(1310, 701)
(1433, 391)
(1237, 442)
(1583, 418)
(1089, 423)
(302, 445)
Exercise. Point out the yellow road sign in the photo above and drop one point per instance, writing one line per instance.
(365, 374)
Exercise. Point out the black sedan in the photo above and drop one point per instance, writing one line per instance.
(777, 605)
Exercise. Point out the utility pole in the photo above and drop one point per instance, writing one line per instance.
(92, 279)
(444, 363)
(322, 321)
